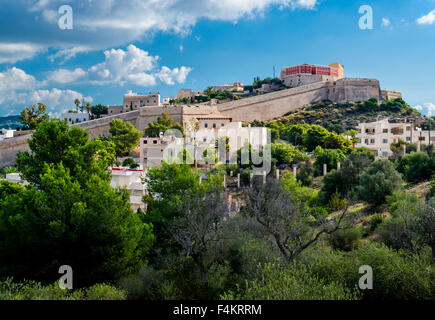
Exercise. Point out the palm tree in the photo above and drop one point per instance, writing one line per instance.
(77, 103)
(88, 107)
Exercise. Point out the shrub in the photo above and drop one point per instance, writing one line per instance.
(379, 181)
(417, 166)
(290, 282)
(375, 221)
(345, 239)
(395, 275)
(129, 162)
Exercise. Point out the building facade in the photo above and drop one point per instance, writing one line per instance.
(390, 94)
(73, 118)
(378, 136)
(236, 86)
(304, 74)
(134, 101)
(132, 180)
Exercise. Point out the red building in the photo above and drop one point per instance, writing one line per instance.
(311, 69)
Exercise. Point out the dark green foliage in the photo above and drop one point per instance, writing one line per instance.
(396, 275)
(291, 282)
(345, 180)
(379, 181)
(69, 215)
(124, 136)
(329, 156)
(417, 166)
(345, 239)
(129, 162)
(163, 124)
(99, 109)
(306, 173)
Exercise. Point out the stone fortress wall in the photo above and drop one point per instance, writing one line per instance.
(262, 107)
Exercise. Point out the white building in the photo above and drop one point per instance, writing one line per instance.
(75, 117)
(378, 136)
(132, 180)
(6, 134)
(15, 177)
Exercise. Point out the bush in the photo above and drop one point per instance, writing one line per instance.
(329, 156)
(379, 181)
(417, 166)
(306, 173)
(291, 282)
(36, 291)
(345, 239)
(129, 162)
(375, 221)
(395, 275)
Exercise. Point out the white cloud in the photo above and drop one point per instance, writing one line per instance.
(66, 76)
(386, 22)
(169, 76)
(102, 24)
(19, 89)
(13, 52)
(427, 19)
(132, 65)
(427, 109)
(181, 48)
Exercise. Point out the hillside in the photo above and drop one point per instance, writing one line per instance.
(10, 122)
(348, 115)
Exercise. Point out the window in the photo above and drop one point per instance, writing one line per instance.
(408, 128)
(155, 141)
(206, 125)
(222, 125)
(408, 138)
(214, 125)
(385, 141)
(372, 141)
(421, 138)
(385, 130)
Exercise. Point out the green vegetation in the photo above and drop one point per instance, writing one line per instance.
(302, 237)
(124, 136)
(98, 110)
(347, 115)
(33, 115)
(69, 214)
(163, 124)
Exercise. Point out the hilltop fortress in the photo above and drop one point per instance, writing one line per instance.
(262, 107)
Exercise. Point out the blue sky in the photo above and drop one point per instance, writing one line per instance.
(162, 46)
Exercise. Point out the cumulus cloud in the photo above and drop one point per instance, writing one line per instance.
(132, 65)
(19, 89)
(427, 19)
(65, 75)
(427, 109)
(169, 76)
(13, 52)
(102, 24)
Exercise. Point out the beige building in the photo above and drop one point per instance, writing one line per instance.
(113, 110)
(154, 150)
(213, 121)
(390, 94)
(134, 101)
(236, 86)
(188, 93)
(378, 136)
(132, 180)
